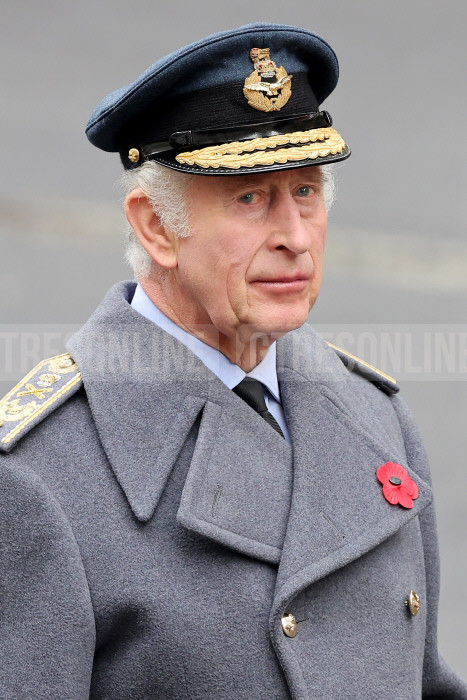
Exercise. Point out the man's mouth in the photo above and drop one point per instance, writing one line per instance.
(283, 283)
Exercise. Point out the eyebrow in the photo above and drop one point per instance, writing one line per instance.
(239, 181)
(245, 181)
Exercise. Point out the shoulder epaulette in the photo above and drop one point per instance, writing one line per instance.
(41, 391)
(354, 364)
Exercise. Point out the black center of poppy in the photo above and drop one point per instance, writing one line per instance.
(395, 481)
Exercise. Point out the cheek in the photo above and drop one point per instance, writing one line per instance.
(214, 269)
(318, 243)
(229, 260)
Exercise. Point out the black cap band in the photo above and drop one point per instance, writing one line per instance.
(240, 132)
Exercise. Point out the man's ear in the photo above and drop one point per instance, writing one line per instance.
(153, 236)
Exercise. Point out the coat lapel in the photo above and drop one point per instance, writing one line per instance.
(239, 484)
(339, 440)
(146, 391)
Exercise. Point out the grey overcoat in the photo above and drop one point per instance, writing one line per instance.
(155, 529)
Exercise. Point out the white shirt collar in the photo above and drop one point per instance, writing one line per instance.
(219, 364)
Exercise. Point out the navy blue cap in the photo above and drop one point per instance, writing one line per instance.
(237, 101)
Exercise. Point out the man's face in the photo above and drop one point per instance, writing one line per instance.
(253, 263)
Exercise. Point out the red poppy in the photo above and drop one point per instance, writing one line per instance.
(398, 487)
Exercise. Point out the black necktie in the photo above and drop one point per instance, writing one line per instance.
(251, 391)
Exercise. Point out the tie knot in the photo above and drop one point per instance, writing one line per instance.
(252, 392)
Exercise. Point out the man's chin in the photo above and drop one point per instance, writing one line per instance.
(274, 328)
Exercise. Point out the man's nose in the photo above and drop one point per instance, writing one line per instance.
(288, 227)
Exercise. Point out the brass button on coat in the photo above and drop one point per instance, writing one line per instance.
(413, 603)
(289, 625)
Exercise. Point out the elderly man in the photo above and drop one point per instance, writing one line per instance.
(203, 499)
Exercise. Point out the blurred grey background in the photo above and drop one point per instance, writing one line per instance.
(395, 285)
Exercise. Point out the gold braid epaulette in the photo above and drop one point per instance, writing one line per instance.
(39, 393)
(355, 364)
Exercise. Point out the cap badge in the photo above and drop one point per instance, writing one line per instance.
(268, 88)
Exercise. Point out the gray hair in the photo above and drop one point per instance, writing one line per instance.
(165, 190)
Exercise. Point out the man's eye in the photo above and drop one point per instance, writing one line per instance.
(304, 191)
(247, 198)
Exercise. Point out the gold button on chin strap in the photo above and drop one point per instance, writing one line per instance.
(133, 155)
